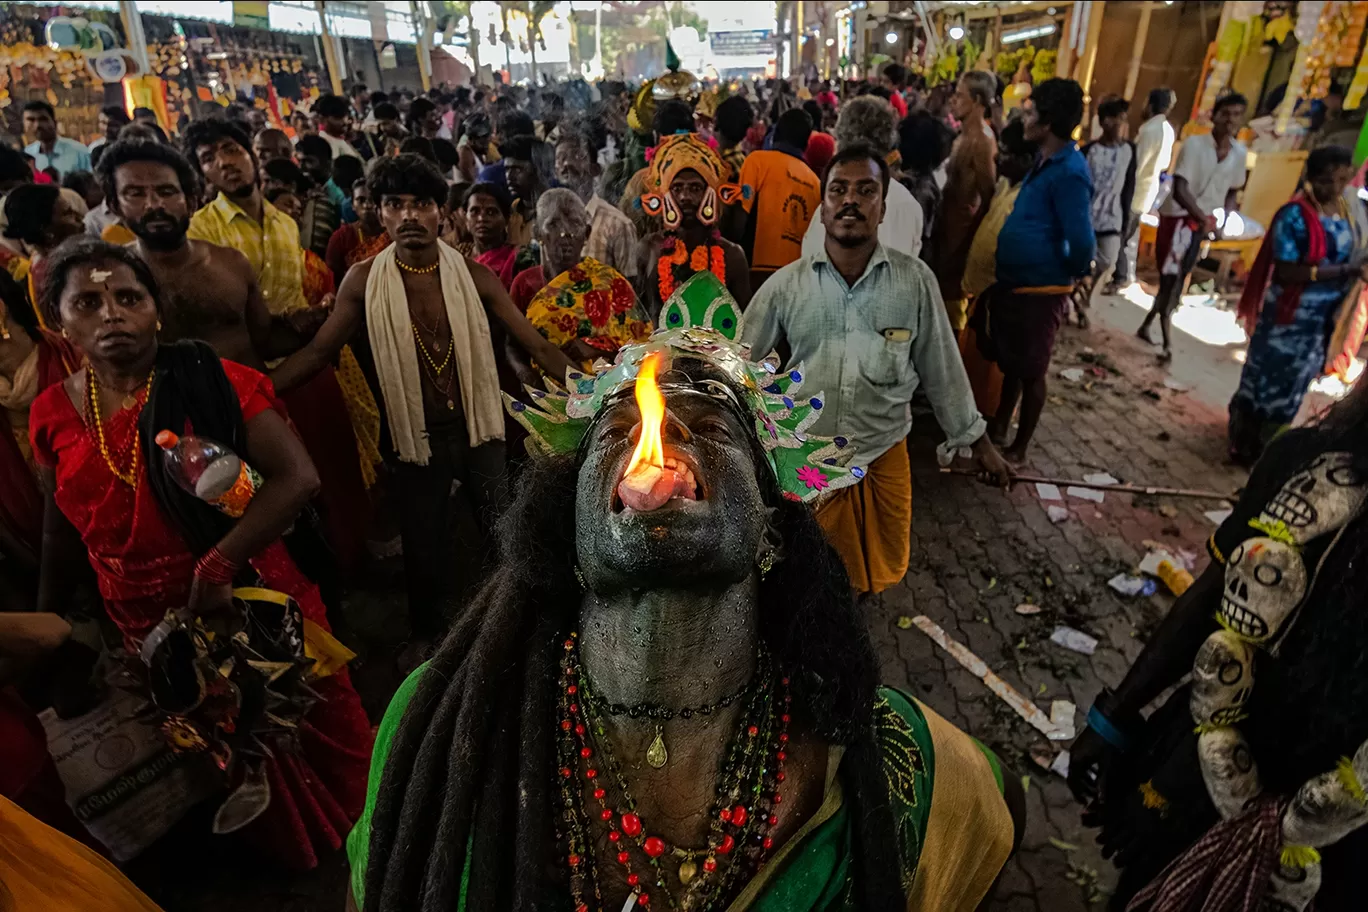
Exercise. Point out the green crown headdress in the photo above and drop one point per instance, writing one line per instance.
(702, 320)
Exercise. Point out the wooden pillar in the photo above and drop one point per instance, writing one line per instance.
(424, 30)
(1138, 49)
(329, 51)
(1064, 60)
(1088, 56)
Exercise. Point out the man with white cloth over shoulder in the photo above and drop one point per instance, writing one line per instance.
(429, 347)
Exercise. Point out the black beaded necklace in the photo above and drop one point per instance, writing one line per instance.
(744, 814)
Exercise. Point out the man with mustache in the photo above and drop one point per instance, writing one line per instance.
(209, 292)
(869, 327)
(429, 325)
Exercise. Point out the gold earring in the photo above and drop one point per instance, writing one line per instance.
(64, 333)
(766, 564)
(159, 326)
(579, 578)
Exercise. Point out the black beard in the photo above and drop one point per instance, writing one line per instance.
(161, 241)
(849, 243)
(241, 193)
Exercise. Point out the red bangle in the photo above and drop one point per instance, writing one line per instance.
(214, 568)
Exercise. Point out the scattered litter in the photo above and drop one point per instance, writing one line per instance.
(1169, 569)
(1085, 494)
(992, 583)
(1097, 371)
(1072, 374)
(1028, 609)
(1175, 385)
(1075, 640)
(979, 669)
(1188, 558)
(1101, 478)
(1057, 514)
(904, 622)
(1062, 845)
(1132, 586)
(1062, 714)
(1048, 491)
(1152, 394)
(1042, 757)
(1061, 764)
(1218, 516)
(1168, 511)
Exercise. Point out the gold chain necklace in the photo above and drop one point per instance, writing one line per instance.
(130, 477)
(424, 270)
(435, 369)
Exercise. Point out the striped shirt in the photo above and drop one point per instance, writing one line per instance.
(867, 346)
(272, 248)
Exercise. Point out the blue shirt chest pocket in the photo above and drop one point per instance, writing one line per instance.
(886, 358)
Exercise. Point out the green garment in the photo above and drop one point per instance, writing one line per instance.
(811, 872)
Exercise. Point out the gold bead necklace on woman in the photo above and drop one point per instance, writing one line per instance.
(129, 477)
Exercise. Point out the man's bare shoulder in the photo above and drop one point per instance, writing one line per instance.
(226, 259)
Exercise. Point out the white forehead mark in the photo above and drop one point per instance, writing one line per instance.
(100, 275)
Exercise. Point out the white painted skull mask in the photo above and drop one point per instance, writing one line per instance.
(1320, 498)
(1222, 679)
(1264, 581)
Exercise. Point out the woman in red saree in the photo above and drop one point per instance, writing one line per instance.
(155, 548)
(487, 210)
(361, 240)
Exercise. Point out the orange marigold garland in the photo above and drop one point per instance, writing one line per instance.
(710, 257)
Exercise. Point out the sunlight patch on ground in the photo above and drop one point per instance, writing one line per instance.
(1197, 316)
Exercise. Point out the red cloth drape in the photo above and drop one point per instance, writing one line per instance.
(145, 568)
(1261, 275)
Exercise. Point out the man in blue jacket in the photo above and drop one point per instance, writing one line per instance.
(1046, 244)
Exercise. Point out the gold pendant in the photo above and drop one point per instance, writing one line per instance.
(687, 870)
(129, 401)
(451, 405)
(656, 755)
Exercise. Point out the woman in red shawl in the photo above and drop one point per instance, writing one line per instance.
(155, 548)
(487, 209)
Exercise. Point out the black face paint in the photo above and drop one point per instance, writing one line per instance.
(712, 542)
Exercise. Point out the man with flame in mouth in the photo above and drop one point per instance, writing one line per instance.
(664, 696)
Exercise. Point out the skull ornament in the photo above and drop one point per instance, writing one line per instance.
(1320, 498)
(1264, 582)
(1222, 679)
(1292, 889)
(1229, 770)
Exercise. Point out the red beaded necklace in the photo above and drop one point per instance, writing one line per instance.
(745, 811)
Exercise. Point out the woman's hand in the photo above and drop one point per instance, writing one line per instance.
(579, 350)
(209, 599)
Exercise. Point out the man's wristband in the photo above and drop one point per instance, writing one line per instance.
(1108, 732)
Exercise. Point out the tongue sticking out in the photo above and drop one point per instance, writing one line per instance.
(651, 479)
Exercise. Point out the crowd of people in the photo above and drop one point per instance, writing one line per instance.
(362, 304)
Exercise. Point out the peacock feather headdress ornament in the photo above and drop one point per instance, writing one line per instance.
(702, 320)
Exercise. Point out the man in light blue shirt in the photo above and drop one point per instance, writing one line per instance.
(63, 154)
(867, 327)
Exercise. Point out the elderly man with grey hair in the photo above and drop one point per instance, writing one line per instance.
(600, 300)
(869, 121)
(970, 174)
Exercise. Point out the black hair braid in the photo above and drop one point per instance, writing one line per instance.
(486, 695)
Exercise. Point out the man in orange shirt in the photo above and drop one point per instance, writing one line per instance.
(780, 193)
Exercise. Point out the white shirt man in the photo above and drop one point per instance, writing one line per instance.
(900, 230)
(1209, 178)
(1153, 154)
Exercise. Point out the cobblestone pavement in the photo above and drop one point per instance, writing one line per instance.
(977, 553)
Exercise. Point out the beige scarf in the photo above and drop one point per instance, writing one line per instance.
(396, 359)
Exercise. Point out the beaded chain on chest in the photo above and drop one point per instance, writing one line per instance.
(741, 821)
(432, 368)
(130, 476)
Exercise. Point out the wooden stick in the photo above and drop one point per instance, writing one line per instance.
(1114, 488)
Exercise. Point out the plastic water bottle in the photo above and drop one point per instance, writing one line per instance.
(210, 471)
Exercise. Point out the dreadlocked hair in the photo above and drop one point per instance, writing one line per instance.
(488, 695)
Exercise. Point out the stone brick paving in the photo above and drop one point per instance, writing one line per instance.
(976, 554)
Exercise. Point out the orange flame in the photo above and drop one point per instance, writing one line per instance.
(649, 449)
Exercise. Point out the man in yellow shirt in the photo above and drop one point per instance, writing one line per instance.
(240, 217)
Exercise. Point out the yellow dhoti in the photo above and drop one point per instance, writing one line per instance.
(870, 523)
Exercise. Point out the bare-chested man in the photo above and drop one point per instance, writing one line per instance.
(424, 320)
(970, 174)
(208, 292)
